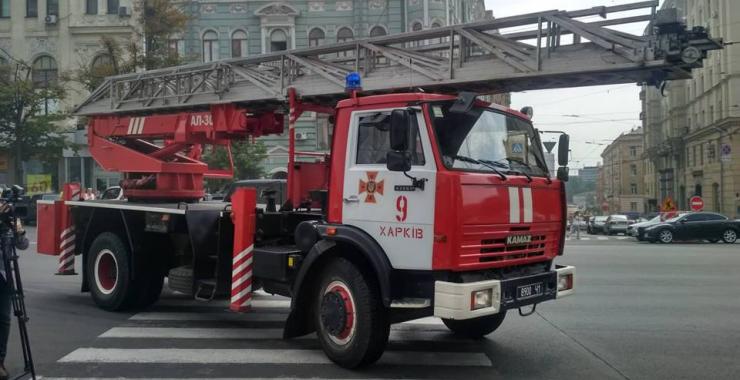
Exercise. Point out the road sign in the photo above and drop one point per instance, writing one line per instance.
(696, 203)
(725, 152)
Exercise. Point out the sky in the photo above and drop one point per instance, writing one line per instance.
(593, 116)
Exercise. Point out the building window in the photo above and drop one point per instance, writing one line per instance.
(210, 46)
(91, 7)
(633, 151)
(45, 72)
(701, 155)
(633, 169)
(697, 189)
(415, 27)
(633, 206)
(32, 8)
(239, 44)
(633, 188)
(377, 31)
(343, 35)
(52, 7)
(323, 133)
(177, 47)
(102, 66)
(113, 7)
(5, 8)
(278, 40)
(711, 152)
(316, 37)
(693, 156)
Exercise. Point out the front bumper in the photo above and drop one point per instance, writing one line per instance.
(455, 300)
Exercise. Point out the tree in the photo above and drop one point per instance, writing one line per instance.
(247, 156)
(158, 22)
(29, 128)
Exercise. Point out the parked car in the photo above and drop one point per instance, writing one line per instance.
(616, 224)
(695, 226)
(112, 193)
(278, 187)
(596, 224)
(637, 230)
(26, 208)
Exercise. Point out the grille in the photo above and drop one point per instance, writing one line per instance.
(487, 244)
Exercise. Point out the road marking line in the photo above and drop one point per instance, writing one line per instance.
(189, 316)
(262, 356)
(602, 238)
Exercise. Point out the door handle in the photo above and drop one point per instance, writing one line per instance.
(352, 199)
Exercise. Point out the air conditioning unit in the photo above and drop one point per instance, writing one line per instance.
(301, 136)
(124, 12)
(51, 19)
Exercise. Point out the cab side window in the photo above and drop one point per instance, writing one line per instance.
(373, 140)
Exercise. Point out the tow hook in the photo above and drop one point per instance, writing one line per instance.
(523, 314)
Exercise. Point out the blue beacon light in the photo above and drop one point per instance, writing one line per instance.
(353, 82)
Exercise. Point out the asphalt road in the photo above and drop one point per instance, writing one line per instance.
(641, 311)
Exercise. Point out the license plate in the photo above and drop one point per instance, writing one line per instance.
(528, 291)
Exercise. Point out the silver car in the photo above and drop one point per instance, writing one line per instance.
(616, 224)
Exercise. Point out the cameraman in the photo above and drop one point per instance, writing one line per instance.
(5, 294)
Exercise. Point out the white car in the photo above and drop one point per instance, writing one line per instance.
(638, 229)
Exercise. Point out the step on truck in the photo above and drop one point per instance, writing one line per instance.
(431, 202)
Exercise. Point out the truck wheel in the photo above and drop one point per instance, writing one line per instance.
(729, 236)
(476, 327)
(665, 236)
(108, 272)
(350, 319)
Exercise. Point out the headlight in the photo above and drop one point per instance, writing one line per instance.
(481, 299)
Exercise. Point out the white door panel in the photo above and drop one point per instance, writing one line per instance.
(400, 220)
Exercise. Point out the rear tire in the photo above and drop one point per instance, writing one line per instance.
(477, 327)
(108, 271)
(729, 236)
(109, 274)
(351, 322)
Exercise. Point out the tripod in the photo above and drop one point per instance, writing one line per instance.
(13, 281)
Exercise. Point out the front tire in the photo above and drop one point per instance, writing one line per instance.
(477, 327)
(665, 236)
(729, 236)
(351, 322)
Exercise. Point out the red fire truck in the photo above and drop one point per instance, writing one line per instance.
(429, 204)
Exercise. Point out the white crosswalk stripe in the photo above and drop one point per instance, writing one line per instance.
(184, 332)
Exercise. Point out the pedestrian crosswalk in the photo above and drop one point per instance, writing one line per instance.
(180, 338)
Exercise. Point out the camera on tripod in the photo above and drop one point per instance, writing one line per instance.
(9, 197)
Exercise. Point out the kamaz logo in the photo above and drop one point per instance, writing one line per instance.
(201, 120)
(518, 239)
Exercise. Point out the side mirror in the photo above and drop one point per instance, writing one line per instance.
(563, 173)
(400, 127)
(563, 149)
(398, 161)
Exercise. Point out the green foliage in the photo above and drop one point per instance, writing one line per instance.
(247, 156)
(29, 127)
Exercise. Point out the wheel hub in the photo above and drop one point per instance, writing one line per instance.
(106, 271)
(337, 313)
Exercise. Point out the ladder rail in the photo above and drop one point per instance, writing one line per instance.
(480, 56)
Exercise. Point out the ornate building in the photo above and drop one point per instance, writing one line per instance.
(691, 126)
(230, 29)
(57, 37)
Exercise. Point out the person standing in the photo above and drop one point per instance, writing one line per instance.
(4, 305)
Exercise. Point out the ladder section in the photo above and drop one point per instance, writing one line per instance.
(549, 49)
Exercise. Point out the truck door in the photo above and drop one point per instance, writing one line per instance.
(383, 203)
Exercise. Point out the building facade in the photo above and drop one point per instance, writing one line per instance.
(691, 128)
(56, 38)
(222, 29)
(621, 185)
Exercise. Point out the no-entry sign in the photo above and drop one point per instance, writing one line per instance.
(696, 203)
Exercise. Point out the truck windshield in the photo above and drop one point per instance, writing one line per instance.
(486, 140)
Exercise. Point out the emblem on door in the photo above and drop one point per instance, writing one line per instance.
(372, 187)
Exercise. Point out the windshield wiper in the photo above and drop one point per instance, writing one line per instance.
(484, 163)
(518, 161)
(508, 169)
